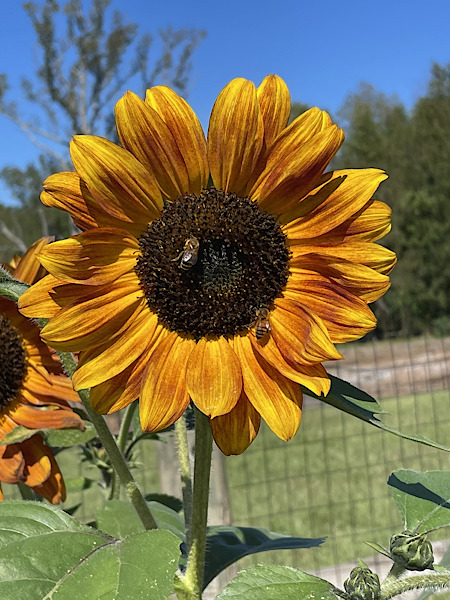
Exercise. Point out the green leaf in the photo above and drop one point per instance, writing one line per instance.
(46, 554)
(276, 582)
(119, 518)
(354, 401)
(171, 501)
(78, 484)
(141, 566)
(11, 288)
(39, 544)
(423, 498)
(71, 436)
(225, 545)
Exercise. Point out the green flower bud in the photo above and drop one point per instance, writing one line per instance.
(412, 551)
(363, 584)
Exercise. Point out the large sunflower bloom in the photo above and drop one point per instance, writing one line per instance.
(221, 271)
(34, 392)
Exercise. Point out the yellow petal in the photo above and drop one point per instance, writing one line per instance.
(29, 268)
(186, 131)
(116, 179)
(275, 105)
(299, 334)
(105, 361)
(235, 136)
(213, 377)
(94, 318)
(345, 316)
(313, 377)
(94, 257)
(236, 430)
(63, 191)
(294, 170)
(277, 399)
(364, 282)
(369, 254)
(124, 388)
(341, 195)
(38, 301)
(164, 396)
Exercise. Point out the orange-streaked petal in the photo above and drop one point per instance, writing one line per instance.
(313, 377)
(116, 179)
(43, 473)
(275, 105)
(186, 130)
(292, 172)
(29, 269)
(37, 418)
(94, 257)
(235, 136)
(164, 396)
(109, 359)
(299, 334)
(338, 198)
(236, 430)
(37, 301)
(12, 463)
(362, 281)
(345, 316)
(124, 388)
(213, 376)
(95, 318)
(64, 191)
(277, 399)
(145, 134)
(37, 460)
(371, 255)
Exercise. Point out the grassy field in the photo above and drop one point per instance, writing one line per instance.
(331, 479)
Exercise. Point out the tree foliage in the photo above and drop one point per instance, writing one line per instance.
(414, 149)
(87, 57)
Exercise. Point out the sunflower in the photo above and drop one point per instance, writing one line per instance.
(34, 392)
(220, 271)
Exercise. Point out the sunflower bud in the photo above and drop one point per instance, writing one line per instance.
(412, 551)
(363, 584)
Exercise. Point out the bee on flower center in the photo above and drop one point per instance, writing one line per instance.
(189, 255)
(262, 325)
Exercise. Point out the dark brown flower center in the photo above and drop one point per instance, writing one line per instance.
(210, 262)
(13, 363)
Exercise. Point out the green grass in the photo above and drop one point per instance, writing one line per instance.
(331, 479)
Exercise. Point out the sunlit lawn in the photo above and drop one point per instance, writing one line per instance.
(331, 479)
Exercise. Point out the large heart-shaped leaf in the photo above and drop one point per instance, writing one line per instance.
(276, 582)
(46, 554)
(423, 498)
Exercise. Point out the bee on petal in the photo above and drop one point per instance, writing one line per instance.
(188, 257)
(262, 325)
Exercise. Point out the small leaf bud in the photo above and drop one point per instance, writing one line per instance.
(363, 584)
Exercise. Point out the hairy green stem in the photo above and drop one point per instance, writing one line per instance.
(115, 455)
(434, 581)
(122, 439)
(193, 578)
(186, 477)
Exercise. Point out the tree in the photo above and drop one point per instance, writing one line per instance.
(87, 58)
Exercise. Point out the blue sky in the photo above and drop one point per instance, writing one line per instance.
(323, 50)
